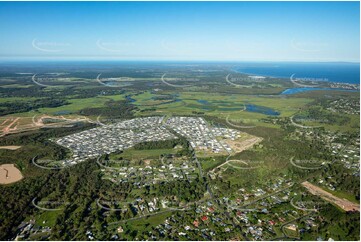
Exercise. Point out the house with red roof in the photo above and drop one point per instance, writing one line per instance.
(204, 218)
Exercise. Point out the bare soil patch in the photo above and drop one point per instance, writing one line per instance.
(239, 146)
(9, 174)
(10, 147)
(343, 203)
(147, 162)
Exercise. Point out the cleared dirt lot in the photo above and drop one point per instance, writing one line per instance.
(9, 174)
(10, 147)
(239, 146)
(13, 125)
(341, 202)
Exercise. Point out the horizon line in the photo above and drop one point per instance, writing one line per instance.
(92, 59)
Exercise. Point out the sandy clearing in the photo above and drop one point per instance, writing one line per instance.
(9, 174)
(343, 203)
(10, 147)
(239, 146)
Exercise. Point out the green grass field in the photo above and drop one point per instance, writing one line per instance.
(47, 218)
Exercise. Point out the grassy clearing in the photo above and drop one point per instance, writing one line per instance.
(148, 222)
(210, 163)
(47, 218)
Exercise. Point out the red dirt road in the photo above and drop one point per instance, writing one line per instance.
(340, 202)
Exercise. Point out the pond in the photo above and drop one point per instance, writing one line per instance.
(204, 102)
(232, 107)
(261, 109)
(130, 99)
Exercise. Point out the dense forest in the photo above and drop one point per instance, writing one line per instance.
(28, 105)
(114, 109)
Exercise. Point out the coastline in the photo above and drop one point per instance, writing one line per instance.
(326, 73)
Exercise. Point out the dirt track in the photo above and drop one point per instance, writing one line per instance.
(9, 174)
(341, 202)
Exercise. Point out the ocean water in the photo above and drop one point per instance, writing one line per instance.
(307, 89)
(332, 72)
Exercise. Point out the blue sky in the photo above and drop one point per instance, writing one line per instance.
(233, 31)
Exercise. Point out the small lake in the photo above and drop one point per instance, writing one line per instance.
(204, 102)
(261, 109)
(130, 99)
(249, 108)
